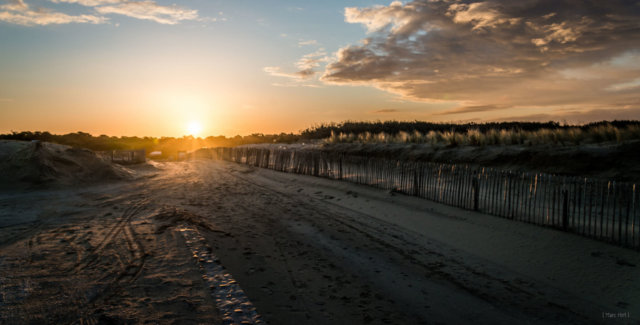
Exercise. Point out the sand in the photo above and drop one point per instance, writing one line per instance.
(303, 250)
(41, 164)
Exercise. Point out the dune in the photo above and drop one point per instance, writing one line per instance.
(28, 164)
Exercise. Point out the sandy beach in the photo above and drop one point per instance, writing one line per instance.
(304, 250)
(319, 162)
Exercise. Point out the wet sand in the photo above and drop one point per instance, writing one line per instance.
(303, 250)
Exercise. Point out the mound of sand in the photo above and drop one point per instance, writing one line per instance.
(25, 163)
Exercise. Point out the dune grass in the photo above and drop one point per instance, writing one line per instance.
(474, 137)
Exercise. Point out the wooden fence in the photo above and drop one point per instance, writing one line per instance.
(600, 209)
(124, 157)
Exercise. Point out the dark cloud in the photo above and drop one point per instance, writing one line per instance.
(473, 109)
(386, 110)
(497, 53)
(578, 116)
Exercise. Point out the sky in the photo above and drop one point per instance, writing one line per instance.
(227, 67)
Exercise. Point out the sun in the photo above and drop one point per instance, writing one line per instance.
(194, 128)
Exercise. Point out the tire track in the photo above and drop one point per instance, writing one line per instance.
(31, 229)
(93, 255)
(110, 283)
(137, 251)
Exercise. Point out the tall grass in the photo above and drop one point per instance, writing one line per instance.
(474, 137)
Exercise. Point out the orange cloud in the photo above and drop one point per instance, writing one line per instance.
(19, 12)
(150, 10)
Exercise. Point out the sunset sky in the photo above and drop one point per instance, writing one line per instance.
(227, 67)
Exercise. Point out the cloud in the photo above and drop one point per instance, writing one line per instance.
(89, 3)
(149, 10)
(20, 13)
(580, 116)
(15, 5)
(491, 54)
(306, 67)
(480, 15)
(308, 42)
(378, 17)
(277, 72)
(473, 109)
(631, 85)
(294, 84)
(312, 60)
(386, 110)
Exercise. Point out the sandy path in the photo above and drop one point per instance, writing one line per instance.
(304, 250)
(98, 255)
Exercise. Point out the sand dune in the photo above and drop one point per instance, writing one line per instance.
(29, 164)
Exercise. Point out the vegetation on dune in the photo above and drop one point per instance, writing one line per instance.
(467, 135)
(325, 130)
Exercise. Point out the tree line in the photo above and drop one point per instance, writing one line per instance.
(170, 145)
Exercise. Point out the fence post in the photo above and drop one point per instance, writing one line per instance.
(565, 209)
(416, 183)
(626, 221)
(474, 184)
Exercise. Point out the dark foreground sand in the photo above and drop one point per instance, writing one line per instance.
(304, 250)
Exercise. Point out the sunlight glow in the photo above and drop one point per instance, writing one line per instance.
(194, 128)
